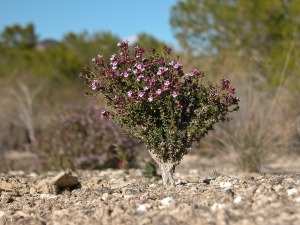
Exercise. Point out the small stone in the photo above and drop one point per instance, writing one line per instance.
(7, 199)
(1, 214)
(152, 185)
(180, 182)
(297, 199)
(143, 207)
(105, 196)
(238, 199)
(292, 191)
(167, 201)
(48, 196)
(62, 181)
(225, 184)
(65, 180)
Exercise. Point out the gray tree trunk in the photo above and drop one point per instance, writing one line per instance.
(167, 169)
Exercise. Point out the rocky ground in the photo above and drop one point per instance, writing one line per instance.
(204, 194)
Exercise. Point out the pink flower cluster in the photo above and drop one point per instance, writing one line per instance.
(136, 78)
(140, 78)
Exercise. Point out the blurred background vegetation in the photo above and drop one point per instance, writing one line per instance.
(254, 43)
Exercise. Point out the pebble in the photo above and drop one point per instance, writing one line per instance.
(143, 207)
(180, 182)
(167, 201)
(7, 199)
(105, 196)
(238, 199)
(1, 214)
(292, 191)
(152, 185)
(225, 184)
(48, 196)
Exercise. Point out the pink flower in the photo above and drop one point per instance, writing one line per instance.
(189, 74)
(104, 115)
(113, 57)
(96, 85)
(179, 105)
(139, 66)
(150, 99)
(231, 90)
(141, 94)
(176, 64)
(195, 73)
(129, 93)
(162, 70)
(174, 94)
(167, 83)
(158, 91)
(125, 74)
(114, 65)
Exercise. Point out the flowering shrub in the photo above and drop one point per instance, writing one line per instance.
(79, 139)
(154, 100)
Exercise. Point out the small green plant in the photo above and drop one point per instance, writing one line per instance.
(150, 169)
(154, 100)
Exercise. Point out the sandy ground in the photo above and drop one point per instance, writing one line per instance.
(204, 194)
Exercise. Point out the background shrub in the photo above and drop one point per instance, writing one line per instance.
(80, 139)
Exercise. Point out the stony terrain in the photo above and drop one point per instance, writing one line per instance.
(203, 195)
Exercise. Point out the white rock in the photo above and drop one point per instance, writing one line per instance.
(297, 199)
(104, 196)
(143, 207)
(225, 184)
(292, 191)
(217, 206)
(152, 185)
(238, 199)
(1, 214)
(48, 196)
(166, 201)
(179, 182)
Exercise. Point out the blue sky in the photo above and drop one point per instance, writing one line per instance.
(125, 18)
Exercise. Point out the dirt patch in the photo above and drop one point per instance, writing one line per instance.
(117, 197)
